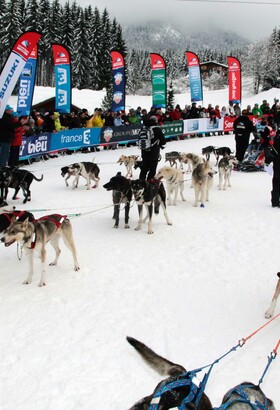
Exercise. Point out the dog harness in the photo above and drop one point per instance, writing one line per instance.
(243, 398)
(49, 218)
(16, 214)
(186, 379)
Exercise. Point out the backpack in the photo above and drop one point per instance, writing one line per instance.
(145, 138)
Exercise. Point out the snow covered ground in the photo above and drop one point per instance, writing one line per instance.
(190, 291)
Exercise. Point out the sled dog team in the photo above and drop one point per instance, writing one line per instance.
(21, 227)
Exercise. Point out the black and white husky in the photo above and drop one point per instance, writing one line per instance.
(149, 194)
(245, 396)
(88, 170)
(122, 194)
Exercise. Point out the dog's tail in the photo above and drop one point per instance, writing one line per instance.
(161, 365)
(38, 179)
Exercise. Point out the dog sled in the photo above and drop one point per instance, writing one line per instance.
(254, 158)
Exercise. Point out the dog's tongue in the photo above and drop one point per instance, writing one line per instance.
(9, 243)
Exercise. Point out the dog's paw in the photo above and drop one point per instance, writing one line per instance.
(52, 264)
(127, 226)
(26, 282)
(268, 314)
(202, 206)
(76, 268)
(150, 232)
(41, 284)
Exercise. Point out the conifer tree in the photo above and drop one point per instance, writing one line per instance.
(4, 43)
(31, 18)
(105, 63)
(170, 96)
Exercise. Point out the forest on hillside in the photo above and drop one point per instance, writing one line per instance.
(90, 34)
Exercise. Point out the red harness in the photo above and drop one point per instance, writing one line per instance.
(16, 214)
(58, 224)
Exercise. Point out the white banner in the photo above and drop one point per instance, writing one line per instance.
(15, 64)
(203, 126)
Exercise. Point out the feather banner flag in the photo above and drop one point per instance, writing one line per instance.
(194, 76)
(63, 90)
(118, 73)
(26, 84)
(159, 91)
(14, 65)
(234, 80)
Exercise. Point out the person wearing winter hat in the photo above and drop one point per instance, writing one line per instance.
(7, 127)
(151, 156)
(256, 110)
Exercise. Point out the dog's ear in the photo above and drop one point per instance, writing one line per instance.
(25, 222)
(118, 174)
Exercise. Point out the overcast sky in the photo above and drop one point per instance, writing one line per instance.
(253, 21)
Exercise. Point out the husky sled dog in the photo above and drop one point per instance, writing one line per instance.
(174, 183)
(172, 157)
(149, 194)
(88, 170)
(22, 179)
(207, 151)
(191, 159)
(202, 180)
(34, 235)
(129, 162)
(221, 151)
(122, 194)
(5, 179)
(270, 311)
(225, 167)
(66, 173)
(173, 397)
(7, 217)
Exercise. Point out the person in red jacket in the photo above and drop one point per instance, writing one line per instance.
(176, 113)
(17, 139)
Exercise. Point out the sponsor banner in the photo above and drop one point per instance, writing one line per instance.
(118, 74)
(203, 125)
(122, 133)
(234, 80)
(173, 128)
(15, 63)
(228, 122)
(62, 68)
(194, 76)
(26, 84)
(159, 90)
(75, 138)
(35, 145)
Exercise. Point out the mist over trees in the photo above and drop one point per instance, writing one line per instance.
(90, 34)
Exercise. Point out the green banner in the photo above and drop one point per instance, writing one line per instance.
(173, 128)
(159, 88)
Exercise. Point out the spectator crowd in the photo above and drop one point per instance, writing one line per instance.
(13, 127)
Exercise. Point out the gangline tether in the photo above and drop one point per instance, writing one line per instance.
(79, 213)
(197, 392)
